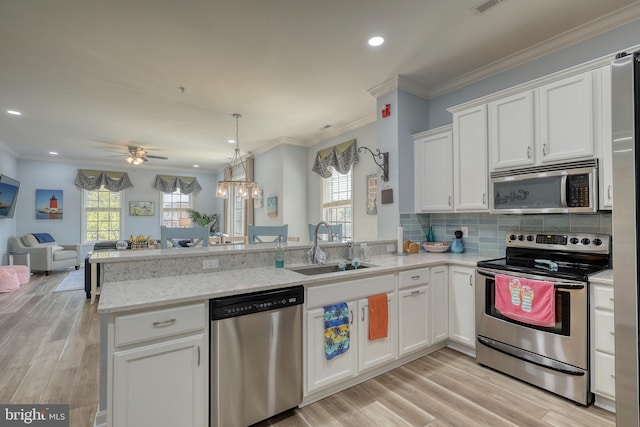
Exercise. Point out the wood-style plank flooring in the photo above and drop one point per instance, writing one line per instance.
(49, 351)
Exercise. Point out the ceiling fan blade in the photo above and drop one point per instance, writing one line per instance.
(156, 157)
(114, 151)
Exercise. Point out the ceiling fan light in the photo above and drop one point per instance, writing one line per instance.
(130, 159)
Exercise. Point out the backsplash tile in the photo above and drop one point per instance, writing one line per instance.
(487, 231)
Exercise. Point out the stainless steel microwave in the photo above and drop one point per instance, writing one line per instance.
(559, 188)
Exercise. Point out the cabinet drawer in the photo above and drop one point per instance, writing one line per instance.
(132, 328)
(604, 339)
(411, 278)
(602, 296)
(605, 374)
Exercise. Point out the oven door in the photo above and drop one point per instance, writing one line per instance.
(565, 342)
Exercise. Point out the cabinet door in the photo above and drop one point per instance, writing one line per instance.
(462, 328)
(414, 319)
(439, 303)
(320, 371)
(433, 166)
(566, 119)
(604, 375)
(470, 169)
(512, 131)
(606, 164)
(162, 384)
(372, 353)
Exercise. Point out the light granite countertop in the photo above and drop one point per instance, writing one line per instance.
(130, 295)
(605, 277)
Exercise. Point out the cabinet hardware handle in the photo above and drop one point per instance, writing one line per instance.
(415, 277)
(363, 314)
(449, 200)
(484, 198)
(351, 311)
(414, 293)
(529, 152)
(609, 192)
(613, 376)
(470, 280)
(544, 149)
(164, 323)
(611, 299)
(613, 333)
(198, 355)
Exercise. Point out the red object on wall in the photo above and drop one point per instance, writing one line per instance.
(53, 202)
(386, 111)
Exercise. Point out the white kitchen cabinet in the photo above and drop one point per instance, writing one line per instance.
(362, 354)
(512, 136)
(602, 344)
(606, 160)
(414, 308)
(160, 368)
(373, 353)
(320, 371)
(470, 167)
(433, 170)
(566, 119)
(462, 327)
(439, 303)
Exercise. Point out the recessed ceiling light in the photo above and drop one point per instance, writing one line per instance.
(231, 141)
(14, 112)
(196, 166)
(53, 153)
(376, 41)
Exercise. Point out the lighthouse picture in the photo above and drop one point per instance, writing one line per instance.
(48, 204)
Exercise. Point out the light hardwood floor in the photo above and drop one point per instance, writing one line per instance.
(49, 349)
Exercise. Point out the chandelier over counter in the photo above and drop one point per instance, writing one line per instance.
(242, 188)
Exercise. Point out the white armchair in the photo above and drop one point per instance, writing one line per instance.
(46, 255)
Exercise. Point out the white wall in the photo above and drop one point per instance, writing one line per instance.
(35, 175)
(9, 167)
(365, 227)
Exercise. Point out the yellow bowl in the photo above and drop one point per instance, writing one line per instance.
(436, 246)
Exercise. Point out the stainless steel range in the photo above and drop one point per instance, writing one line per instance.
(554, 356)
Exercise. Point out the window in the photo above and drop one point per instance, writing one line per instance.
(102, 215)
(336, 202)
(174, 207)
(236, 211)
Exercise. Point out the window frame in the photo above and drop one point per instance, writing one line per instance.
(84, 210)
(173, 223)
(327, 206)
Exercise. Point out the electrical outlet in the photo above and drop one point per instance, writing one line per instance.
(208, 264)
(391, 248)
(465, 231)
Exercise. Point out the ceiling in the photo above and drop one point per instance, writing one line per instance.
(99, 75)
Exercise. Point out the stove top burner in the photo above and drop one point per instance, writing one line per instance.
(569, 272)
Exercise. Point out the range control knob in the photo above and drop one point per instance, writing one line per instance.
(512, 237)
(597, 242)
(529, 238)
(574, 240)
(521, 237)
(585, 241)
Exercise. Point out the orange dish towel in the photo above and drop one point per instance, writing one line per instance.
(378, 316)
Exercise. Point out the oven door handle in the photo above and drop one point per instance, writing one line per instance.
(558, 285)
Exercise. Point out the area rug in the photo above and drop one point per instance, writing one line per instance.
(73, 281)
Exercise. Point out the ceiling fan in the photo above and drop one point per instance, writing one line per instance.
(138, 155)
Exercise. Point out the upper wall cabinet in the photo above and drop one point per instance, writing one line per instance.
(606, 161)
(566, 119)
(512, 131)
(470, 167)
(433, 161)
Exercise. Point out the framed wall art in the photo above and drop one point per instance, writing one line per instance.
(372, 194)
(49, 204)
(272, 206)
(141, 208)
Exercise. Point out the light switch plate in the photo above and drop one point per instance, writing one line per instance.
(465, 231)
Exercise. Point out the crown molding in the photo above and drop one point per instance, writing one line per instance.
(431, 132)
(5, 147)
(597, 26)
(399, 83)
(274, 143)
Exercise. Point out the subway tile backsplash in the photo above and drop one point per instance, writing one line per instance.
(487, 231)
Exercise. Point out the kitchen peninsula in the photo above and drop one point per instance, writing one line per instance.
(146, 287)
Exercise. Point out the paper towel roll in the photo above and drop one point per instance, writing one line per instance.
(400, 239)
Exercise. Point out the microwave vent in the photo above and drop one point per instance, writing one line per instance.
(585, 164)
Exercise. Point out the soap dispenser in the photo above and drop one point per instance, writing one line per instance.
(456, 245)
(431, 237)
(279, 253)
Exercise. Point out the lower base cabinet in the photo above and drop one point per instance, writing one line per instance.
(415, 326)
(462, 306)
(603, 365)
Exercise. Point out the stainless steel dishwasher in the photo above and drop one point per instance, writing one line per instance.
(256, 356)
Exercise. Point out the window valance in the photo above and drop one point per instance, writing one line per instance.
(170, 183)
(341, 157)
(93, 180)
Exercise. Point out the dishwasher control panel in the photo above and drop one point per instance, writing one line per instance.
(241, 305)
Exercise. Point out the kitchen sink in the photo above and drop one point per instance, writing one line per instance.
(312, 270)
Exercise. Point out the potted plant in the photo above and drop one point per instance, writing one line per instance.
(204, 220)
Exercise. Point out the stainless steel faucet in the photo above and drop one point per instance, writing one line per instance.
(315, 254)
